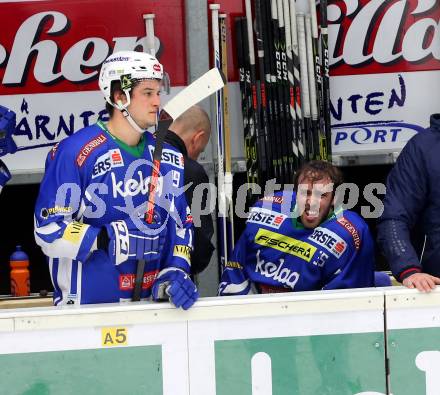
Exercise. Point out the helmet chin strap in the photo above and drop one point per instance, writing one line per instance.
(127, 115)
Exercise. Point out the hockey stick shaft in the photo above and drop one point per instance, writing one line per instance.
(326, 77)
(257, 151)
(305, 95)
(221, 218)
(297, 83)
(227, 137)
(314, 152)
(149, 30)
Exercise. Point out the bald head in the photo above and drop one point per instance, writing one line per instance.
(194, 128)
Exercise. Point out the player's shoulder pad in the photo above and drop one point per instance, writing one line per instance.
(354, 224)
(80, 145)
(278, 201)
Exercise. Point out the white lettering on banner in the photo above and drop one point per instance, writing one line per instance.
(276, 271)
(266, 217)
(387, 23)
(329, 240)
(88, 53)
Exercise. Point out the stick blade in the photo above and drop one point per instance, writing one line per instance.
(200, 89)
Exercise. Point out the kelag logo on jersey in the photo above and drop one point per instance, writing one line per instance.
(329, 240)
(169, 156)
(107, 161)
(266, 217)
(277, 271)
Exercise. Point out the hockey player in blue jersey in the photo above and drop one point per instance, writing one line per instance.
(89, 215)
(297, 241)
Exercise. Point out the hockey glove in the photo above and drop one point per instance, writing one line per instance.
(5, 175)
(174, 284)
(7, 128)
(125, 241)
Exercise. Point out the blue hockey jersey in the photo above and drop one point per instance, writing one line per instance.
(91, 180)
(277, 254)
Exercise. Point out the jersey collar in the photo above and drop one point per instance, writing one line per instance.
(136, 150)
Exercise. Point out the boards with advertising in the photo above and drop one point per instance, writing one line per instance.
(385, 67)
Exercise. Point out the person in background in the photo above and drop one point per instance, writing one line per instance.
(190, 134)
(412, 208)
(298, 241)
(90, 212)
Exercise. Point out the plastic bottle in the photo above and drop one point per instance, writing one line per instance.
(19, 262)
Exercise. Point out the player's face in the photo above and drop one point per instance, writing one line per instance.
(314, 200)
(145, 102)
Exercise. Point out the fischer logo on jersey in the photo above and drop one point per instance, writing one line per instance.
(285, 244)
(329, 240)
(276, 271)
(169, 156)
(352, 230)
(127, 281)
(89, 148)
(266, 217)
(107, 161)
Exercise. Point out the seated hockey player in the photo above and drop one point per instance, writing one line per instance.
(297, 241)
(89, 215)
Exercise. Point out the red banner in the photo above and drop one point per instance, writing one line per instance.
(59, 46)
(383, 36)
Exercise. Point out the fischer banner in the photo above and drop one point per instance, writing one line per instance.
(50, 56)
(385, 66)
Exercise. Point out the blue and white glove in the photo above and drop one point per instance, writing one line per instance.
(125, 241)
(7, 129)
(176, 285)
(5, 175)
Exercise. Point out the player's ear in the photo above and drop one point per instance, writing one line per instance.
(119, 95)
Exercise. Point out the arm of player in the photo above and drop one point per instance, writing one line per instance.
(405, 198)
(355, 271)
(57, 229)
(173, 281)
(234, 279)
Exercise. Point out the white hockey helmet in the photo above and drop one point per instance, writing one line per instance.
(127, 67)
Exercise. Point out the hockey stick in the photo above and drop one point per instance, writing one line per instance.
(326, 78)
(297, 83)
(227, 140)
(221, 198)
(204, 86)
(257, 154)
(149, 30)
(264, 94)
(308, 143)
(290, 71)
(314, 95)
(322, 135)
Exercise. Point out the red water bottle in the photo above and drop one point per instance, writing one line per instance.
(19, 262)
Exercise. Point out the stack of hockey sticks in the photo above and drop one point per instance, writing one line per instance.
(224, 174)
(285, 96)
